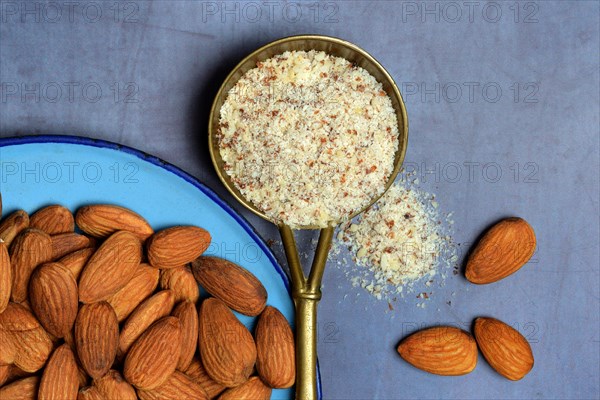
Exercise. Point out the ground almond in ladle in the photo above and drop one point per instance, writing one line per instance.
(308, 138)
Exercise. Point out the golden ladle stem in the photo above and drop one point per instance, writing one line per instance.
(306, 294)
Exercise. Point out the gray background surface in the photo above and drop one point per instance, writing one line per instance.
(143, 73)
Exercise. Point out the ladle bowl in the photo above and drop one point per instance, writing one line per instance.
(307, 291)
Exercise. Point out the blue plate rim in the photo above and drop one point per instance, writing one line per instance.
(100, 143)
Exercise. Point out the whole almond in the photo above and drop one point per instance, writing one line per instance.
(66, 243)
(102, 220)
(153, 357)
(31, 248)
(234, 285)
(23, 389)
(5, 277)
(110, 268)
(275, 362)
(198, 374)
(59, 379)
(143, 283)
(114, 386)
(96, 337)
(150, 311)
(507, 351)
(227, 348)
(53, 298)
(53, 220)
(177, 246)
(441, 350)
(12, 226)
(188, 317)
(177, 386)
(502, 251)
(253, 389)
(30, 343)
(76, 260)
(90, 393)
(181, 281)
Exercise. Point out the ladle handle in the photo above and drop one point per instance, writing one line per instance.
(306, 294)
(306, 348)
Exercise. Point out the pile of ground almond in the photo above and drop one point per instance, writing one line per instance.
(308, 138)
(399, 241)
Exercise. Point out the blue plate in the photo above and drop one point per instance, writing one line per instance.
(73, 171)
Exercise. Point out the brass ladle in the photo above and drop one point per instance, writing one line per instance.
(306, 292)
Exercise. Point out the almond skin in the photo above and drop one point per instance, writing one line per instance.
(441, 350)
(181, 281)
(77, 260)
(12, 226)
(23, 389)
(153, 357)
(138, 289)
(232, 284)
(177, 386)
(11, 373)
(53, 220)
(276, 361)
(227, 348)
(53, 298)
(199, 375)
(150, 311)
(114, 386)
(31, 248)
(7, 348)
(90, 393)
(502, 251)
(15, 373)
(30, 344)
(4, 373)
(177, 246)
(102, 220)
(96, 337)
(59, 379)
(504, 348)
(5, 277)
(83, 377)
(253, 389)
(188, 317)
(110, 268)
(66, 243)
